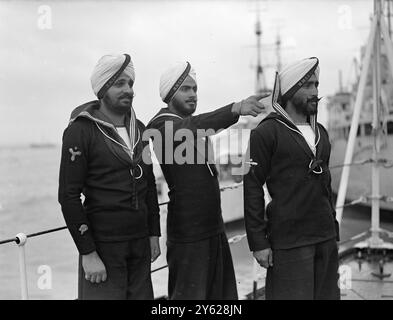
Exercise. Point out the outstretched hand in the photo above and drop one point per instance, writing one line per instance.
(250, 106)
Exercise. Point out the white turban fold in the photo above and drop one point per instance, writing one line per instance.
(108, 69)
(172, 79)
(290, 80)
(293, 76)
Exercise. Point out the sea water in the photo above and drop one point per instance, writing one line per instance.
(28, 199)
(28, 204)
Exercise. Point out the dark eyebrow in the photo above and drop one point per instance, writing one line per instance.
(311, 82)
(124, 80)
(188, 86)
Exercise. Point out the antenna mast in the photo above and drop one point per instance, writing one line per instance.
(372, 59)
(278, 51)
(389, 15)
(260, 85)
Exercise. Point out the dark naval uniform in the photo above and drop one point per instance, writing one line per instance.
(299, 223)
(198, 254)
(120, 210)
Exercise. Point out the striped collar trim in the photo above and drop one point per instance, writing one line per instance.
(277, 107)
(88, 115)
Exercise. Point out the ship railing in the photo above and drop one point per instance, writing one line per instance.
(386, 163)
(21, 239)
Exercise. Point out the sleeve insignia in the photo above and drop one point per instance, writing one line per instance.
(83, 228)
(74, 153)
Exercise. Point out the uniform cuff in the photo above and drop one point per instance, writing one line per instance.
(258, 243)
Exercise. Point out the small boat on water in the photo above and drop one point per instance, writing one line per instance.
(44, 145)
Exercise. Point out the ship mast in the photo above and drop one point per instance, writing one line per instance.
(372, 58)
(389, 15)
(375, 240)
(278, 51)
(260, 84)
(340, 81)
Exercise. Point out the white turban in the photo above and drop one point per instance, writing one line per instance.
(293, 76)
(108, 69)
(289, 81)
(172, 79)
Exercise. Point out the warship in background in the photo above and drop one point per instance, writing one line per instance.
(365, 259)
(360, 126)
(231, 144)
(365, 263)
(340, 110)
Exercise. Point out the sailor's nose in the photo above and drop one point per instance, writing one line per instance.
(129, 90)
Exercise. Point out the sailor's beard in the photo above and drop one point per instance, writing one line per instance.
(182, 107)
(117, 106)
(305, 106)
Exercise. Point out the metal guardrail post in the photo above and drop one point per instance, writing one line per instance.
(21, 241)
(254, 279)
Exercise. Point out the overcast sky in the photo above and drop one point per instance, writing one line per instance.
(49, 49)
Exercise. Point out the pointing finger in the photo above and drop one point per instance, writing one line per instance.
(257, 110)
(260, 106)
(262, 95)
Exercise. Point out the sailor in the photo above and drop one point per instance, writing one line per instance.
(198, 254)
(295, 236)
(116, 229)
